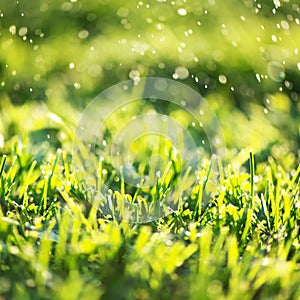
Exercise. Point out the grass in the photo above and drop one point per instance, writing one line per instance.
(235, 232)
(243, 241)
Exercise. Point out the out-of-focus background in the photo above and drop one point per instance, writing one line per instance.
(242, 56)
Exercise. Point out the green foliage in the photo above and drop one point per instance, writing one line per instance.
(54, 244)
(236, 232)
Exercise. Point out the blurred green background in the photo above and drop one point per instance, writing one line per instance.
(243, 56)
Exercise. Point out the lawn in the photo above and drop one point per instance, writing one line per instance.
(149, 149)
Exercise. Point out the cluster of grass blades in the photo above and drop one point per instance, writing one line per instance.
(242, 242)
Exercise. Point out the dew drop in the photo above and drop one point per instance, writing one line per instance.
(276, 71)
(12, 29)
(77, 85)
(285, 25)
(123, 12)
(23, 31)
(181, 72)
(258, 77)
(222, 79)
(182, 11)
(274, 38)
(83, 34)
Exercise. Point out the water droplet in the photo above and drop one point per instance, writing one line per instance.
(123, 12)
(222, 79)
(135, 76)
(12, 29)
(181, 72)
(285, 25)
(161, 65)
(94, 70)
(276, 71)
(277, 3)
(182, 11)
(274, 38)
(77, 85)
(83, 34)
(23, 31)
(258, 77)
(71, 65)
